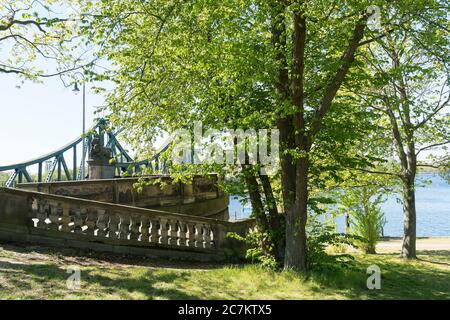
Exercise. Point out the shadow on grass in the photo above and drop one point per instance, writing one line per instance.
(439, 257)
(87, 257)
(399, 279)
(95, 282)
(422, 279)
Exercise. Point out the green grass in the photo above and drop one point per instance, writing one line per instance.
(40, 273)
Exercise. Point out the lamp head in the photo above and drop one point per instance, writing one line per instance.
(76, 90)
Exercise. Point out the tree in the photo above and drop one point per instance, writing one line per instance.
(409, 88)
(308, 127)
(37, 41)
(242, 64)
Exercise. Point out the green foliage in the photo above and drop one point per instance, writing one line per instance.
(258, 252)
(214, 61)
(368, 223)
(362, 205)
(320, 237)
(176, 62)
(3, 178)
(406, 84)
(34, 34)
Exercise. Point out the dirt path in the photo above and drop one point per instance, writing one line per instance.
(389, 245)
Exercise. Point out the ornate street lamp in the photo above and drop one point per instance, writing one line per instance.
(76, 90)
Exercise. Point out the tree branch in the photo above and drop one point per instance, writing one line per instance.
(438, 108)
(432, 146)
(346, 61)
(379, 172)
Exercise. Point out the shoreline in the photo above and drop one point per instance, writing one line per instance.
(394, 244)
(388, 238)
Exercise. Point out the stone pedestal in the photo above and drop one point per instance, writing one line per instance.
(100, 169)
(99, 161)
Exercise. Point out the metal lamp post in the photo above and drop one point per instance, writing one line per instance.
(77, 90)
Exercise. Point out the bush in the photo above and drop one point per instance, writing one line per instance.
(368, 222)
(258, 251)
(362, 205)
(320, 236)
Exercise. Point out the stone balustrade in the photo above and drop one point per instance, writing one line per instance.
(122, 223)
(82, 223)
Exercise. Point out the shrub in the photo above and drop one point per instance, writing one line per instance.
(362, 205)
(258, 251)
(320, 236)
(368, 221)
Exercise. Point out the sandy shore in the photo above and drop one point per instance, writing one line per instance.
(423, 244)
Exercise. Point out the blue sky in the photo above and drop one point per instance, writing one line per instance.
(39, 117)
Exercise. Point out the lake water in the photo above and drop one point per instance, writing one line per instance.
(432, 205)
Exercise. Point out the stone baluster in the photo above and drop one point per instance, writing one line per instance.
(164, 231)
(191, 234)
(66, 219)
(218, 235)
(173, 232)
(199, 235)
(53, 216)
(145, 226)
(207, 236)
(124, 227)
(135, 227)
(154, 231)
(78, 221)
(91, 222)
(113, 226)
(102, 223)
(182, 234)
(42, 214)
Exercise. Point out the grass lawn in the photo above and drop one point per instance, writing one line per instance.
(28, 272)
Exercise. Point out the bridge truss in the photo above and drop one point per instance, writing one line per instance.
(20, 171)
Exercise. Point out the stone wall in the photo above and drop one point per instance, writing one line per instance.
(200, 198)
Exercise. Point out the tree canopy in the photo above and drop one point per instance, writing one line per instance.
(302, 67)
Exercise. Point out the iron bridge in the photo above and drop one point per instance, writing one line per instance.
(20, 171)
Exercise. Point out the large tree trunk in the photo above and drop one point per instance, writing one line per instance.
(255, 198)
(296, 248)
(288, 184)
(274, 218)
(409, 206)
(285, 123)
(409, 220)
(295, 256)
(296, 211)
(408, 161)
